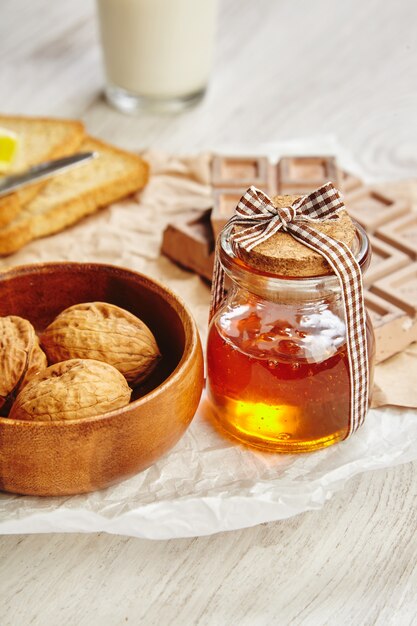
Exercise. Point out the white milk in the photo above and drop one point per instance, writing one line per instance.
(158, 48)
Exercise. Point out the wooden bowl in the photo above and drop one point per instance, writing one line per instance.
(81, 455)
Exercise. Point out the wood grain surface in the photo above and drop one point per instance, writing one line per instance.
(284, 68)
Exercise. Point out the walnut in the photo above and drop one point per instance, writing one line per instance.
(102, 331)
(20, 358)
(72, 390)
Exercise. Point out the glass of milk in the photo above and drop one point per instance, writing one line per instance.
(157, 53)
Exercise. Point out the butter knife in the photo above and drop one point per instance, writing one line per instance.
(43, 170)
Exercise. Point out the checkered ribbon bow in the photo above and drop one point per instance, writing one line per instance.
(260, 220)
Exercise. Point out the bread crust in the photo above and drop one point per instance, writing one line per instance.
(50, 212)
(72, 133)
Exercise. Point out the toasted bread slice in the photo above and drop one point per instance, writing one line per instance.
(71, 196)
(39, 140)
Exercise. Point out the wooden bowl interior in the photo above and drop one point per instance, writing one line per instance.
(40, 293)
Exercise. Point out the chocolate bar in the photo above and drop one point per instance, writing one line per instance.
(241, 172)
(302, 174)
(231, 177)
(348, 182)
(391, 280)
(188, 240)
(224, 204)
(400, 288)
(402, 234)
(394, 329)
(385, 260)
(372, 208)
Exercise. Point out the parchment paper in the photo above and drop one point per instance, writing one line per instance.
(207, 484)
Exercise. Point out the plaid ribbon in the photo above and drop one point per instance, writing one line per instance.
(260, 220)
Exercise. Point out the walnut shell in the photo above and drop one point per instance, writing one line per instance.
(20, 357)
(72, 390)
(105, 332)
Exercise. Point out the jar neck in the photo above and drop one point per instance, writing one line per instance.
(287, 288)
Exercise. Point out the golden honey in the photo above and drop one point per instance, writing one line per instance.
(267, 392)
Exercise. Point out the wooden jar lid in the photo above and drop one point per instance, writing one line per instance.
(283, 255)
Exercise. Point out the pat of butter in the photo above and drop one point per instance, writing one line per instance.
(9, 142)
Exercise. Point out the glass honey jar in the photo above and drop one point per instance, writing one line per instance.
(277, 362)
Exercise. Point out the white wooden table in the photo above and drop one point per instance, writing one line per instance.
(346, 68)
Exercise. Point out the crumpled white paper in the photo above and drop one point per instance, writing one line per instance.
(206, 484)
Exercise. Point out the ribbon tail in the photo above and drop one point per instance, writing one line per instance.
(218, 291)
(347, 269)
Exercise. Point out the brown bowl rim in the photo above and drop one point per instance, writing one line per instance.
(189, 347)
